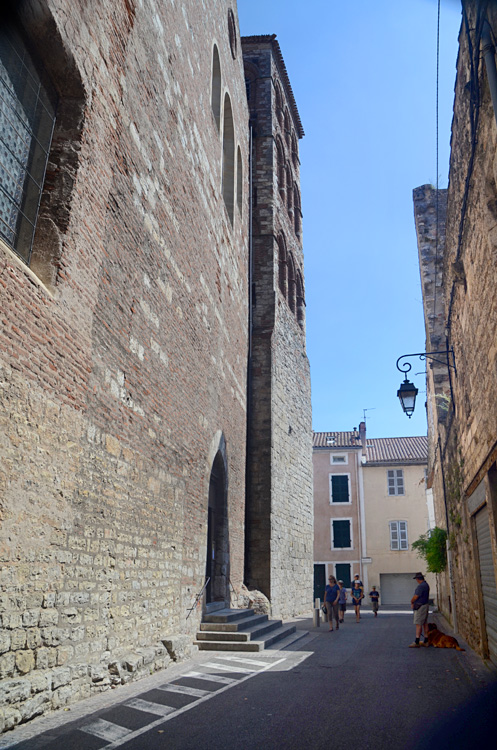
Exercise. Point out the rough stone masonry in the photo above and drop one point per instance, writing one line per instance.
(123, 354)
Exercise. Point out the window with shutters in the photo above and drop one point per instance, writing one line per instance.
(339, 488)
(395, 479)
(398, 535)
(341, 534)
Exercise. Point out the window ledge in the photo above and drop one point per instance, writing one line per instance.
(16, 261)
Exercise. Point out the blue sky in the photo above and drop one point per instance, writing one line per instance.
(364, 78)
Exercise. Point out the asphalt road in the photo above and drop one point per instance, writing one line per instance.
(359, 687)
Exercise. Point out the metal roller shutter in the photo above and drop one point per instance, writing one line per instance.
(489, 589)
(397, 588)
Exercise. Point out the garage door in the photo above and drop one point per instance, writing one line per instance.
(488, 587)
(397, 588)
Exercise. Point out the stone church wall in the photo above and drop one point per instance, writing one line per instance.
(120, 375)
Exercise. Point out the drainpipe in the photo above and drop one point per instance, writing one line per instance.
(248, 447)
(449, 551)
(488, 49)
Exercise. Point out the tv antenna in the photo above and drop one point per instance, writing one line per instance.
(372, 408)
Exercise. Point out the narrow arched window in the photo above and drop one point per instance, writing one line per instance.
(239, 180)
(297, 212)
(300, 300)
(295, 150)
(280, 166)
(292, 290)
(287, 128)
(282, 266)
(279, 103)
(216, 87)
(228, 158)
(289, 189)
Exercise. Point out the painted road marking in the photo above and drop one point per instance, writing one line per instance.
(161, 722)
(210, 677)
(106, 730)
(227, 668)
(148, 706)
(171, 688)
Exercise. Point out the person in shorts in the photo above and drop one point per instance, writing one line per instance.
(357, 597)
(419, 605)
(375, 600)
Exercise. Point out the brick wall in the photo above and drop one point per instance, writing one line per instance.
(120, 372)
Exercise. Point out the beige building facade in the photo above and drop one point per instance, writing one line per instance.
(396, 513)
(370, 505)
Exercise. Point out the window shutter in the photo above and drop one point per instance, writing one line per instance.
(341, 533)
(339, 488)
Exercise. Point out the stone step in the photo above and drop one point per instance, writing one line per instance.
(227, 627)
(244, 634)
(228, 615)
(269, 639)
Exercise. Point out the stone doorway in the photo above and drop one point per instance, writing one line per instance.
(218, 557)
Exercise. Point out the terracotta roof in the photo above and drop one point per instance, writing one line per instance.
(397, 450)
(336, 440)
(264, 38)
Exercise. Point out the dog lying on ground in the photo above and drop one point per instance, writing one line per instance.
(441, 640)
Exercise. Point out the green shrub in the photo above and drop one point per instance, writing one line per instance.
(432, 548)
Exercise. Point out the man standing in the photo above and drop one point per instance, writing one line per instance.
(331, 596)
(419, 605)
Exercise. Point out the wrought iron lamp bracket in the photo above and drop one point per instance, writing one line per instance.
(449, 360)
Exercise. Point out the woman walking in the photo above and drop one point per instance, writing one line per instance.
(331, 596)
(357, 595)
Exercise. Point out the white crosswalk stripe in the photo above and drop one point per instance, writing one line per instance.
(243, 660)
(195, 692)
(150, 707)
(228, 668)
(211, 677)
(106, 730)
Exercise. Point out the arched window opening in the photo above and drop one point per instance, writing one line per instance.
(289, 189)
(295, 150)
(228, 158)
(287, 128)
(297, 212)
(279, 104)
(42, 103)
(282, 266)
(300, 300)
(280, 166)
(292, 290)
(216, 87)
(239, 180)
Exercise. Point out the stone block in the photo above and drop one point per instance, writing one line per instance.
(14, 691)
(133, 662)
(4, 641)
(46, 658)
(7, 664)
(178, 646)
(25, 661)
(18, 639)
(48, 617)
(30, 618)
(35, 706)
(60, 676)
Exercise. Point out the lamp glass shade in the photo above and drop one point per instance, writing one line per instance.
(407, 396)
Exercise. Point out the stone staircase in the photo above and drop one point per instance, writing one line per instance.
(243, 630)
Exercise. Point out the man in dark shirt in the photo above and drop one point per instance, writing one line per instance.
(419, 604)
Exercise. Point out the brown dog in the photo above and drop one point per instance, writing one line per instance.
(441, 640)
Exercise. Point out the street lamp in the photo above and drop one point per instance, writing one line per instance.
(407, 396)
(407, 392)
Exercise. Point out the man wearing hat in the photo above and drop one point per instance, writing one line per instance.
(419, 605)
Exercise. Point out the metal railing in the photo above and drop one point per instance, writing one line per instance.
(198, 597)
